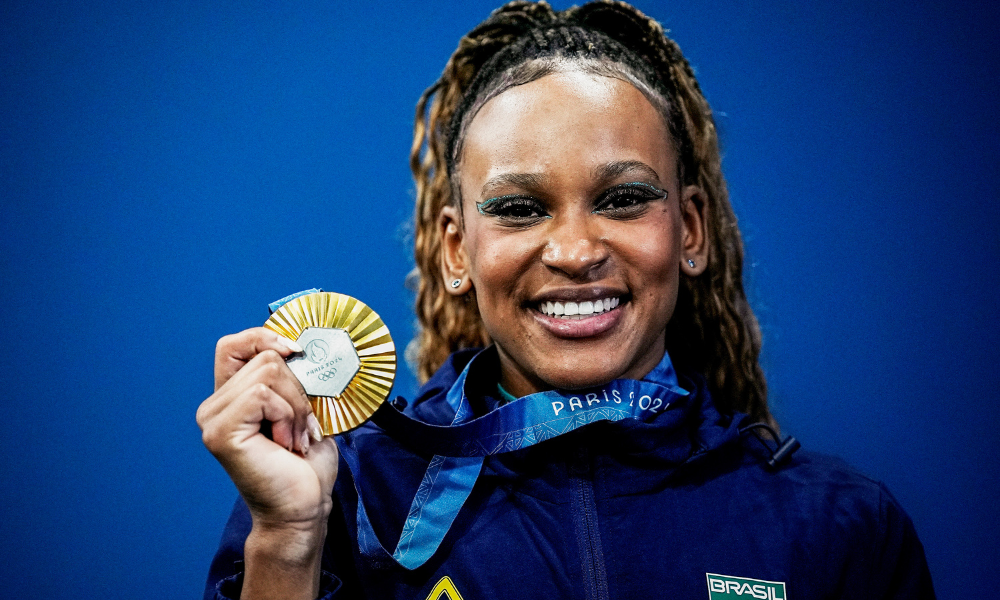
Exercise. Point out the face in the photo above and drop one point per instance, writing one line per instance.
(573, 232)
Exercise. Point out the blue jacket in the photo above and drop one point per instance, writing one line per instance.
(628, 509)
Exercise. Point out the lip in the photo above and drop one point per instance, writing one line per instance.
(580, 328)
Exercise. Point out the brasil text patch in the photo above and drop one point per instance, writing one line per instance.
(727, 587)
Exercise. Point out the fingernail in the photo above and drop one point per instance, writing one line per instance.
(314, 429)
(304, 442)
(291, 344)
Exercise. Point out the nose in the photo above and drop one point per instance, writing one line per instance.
(574, 247)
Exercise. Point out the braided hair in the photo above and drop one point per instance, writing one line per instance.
(713, 331)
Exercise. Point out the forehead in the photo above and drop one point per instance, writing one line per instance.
(563, 122)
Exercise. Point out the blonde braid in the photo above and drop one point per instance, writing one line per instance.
(721, 338)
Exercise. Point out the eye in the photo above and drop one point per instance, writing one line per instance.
(628, 199)
(513, 209)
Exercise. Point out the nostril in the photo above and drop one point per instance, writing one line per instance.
(575, 258)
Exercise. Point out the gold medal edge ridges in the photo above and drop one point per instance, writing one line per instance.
(372, 384)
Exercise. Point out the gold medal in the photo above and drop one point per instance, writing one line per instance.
(348, 361)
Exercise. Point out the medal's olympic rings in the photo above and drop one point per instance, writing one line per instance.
(327, 375)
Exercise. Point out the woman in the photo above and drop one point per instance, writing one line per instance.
(572, 219)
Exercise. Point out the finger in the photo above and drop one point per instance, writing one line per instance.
(233, 388)
(315, 429)
(324, 457)
(270, 369)
(285, 413)
(281, 379)
(234, 351)
(240, 420)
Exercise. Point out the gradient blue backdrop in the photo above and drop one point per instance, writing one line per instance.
(167, 168)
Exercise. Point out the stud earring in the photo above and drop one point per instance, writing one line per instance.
(455, 283)
(690, 263)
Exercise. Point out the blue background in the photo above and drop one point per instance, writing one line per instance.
(168, 168)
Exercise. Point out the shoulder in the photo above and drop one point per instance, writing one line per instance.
(817, 473)
(830, 514)
(859, 500)
(815, 486)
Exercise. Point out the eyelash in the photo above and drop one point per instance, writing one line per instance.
(637, 194)
(503, 207)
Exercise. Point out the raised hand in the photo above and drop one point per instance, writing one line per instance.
(260, 427)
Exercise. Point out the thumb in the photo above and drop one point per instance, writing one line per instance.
(324, 458)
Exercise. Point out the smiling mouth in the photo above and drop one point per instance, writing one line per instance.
(578, 310)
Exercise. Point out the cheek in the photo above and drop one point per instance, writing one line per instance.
(658, 270)
(655, 243)
(656, 252)
(652, 253)
(498, 262)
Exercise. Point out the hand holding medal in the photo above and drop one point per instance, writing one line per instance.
(269, 422)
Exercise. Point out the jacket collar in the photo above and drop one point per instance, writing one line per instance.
(702, 430)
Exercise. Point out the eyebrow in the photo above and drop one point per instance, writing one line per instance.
(604, 172)
(618, 168)
(522, 180)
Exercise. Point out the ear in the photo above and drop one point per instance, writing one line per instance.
(694, 218)
(454, 258)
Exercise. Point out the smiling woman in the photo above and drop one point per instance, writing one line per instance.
(591, 363)
(572, 212)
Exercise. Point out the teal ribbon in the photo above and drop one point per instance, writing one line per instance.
(278, 303)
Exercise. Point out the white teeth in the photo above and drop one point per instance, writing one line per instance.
(578, 310)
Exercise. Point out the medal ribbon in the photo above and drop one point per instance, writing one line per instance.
(460, 449)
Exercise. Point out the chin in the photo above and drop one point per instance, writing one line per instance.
(551, 362)
(577, 376)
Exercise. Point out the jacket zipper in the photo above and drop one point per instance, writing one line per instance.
(588, 535)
